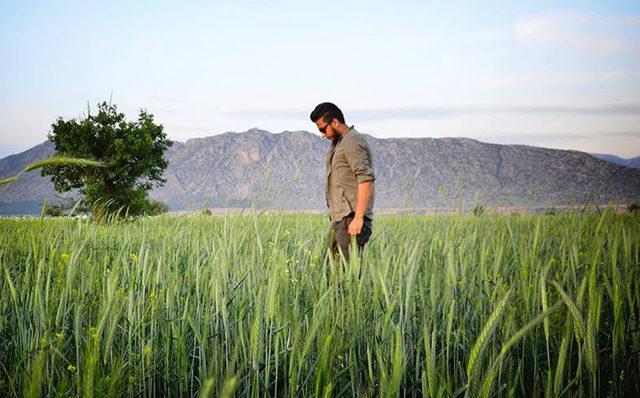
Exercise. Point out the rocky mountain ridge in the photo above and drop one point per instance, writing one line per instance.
(631, 162)
(286, 171)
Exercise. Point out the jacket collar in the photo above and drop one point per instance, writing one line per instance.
(340, 137)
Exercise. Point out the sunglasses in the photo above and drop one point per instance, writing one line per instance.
(323, 129)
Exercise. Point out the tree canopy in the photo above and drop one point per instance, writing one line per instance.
(132, 153)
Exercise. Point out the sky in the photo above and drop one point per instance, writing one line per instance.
(557, 74)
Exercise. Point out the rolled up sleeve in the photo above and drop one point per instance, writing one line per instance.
(359, 159)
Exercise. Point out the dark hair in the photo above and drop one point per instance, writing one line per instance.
(327, 111)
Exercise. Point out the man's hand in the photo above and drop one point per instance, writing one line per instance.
(355, 226)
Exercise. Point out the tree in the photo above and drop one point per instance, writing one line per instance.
(157, 207)
(132, 154)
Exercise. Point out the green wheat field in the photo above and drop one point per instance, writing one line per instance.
(252, 306)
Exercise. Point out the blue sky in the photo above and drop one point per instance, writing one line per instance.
(554, 74)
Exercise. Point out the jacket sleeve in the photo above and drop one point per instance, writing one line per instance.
(359, 158)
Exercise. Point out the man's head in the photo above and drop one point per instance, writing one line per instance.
(329, 119)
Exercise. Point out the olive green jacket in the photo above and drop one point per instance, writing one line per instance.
(349, 162)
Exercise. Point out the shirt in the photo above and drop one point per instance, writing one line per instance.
(349, 163)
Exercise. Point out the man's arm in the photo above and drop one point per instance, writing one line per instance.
(364, 196)
(359, 159)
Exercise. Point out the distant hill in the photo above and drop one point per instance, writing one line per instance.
(286, 171)
(633, 162)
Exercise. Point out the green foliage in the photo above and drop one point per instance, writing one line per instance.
(478, 210)
(156, 207)
(252, 306)
(54, 210)
(130, 153)
(66, 206)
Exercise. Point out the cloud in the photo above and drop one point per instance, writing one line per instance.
(440, 112)
(285, 113)
(623, 134)
(552, 79)
(559, 136)
(180, 130)
(630, 21)
(453, 111)
(574, 30)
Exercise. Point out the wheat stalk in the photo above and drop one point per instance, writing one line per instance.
(578, 323)
(481, 341)
(64, 161)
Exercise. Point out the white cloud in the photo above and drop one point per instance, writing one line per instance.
(573, 30)
(631, 21)
(544, 29)
(553, 79)
(453, 111)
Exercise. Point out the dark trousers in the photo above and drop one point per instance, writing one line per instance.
(340, 240)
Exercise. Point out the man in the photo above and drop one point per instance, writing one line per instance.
(349, 183)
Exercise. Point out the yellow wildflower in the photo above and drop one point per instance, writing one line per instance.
(71, 368)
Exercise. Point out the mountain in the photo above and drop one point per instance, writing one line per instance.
(286, 171)
(632, 162)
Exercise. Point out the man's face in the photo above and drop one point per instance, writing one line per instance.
(326, 129)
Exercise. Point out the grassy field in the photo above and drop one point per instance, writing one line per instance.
(252, 306)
